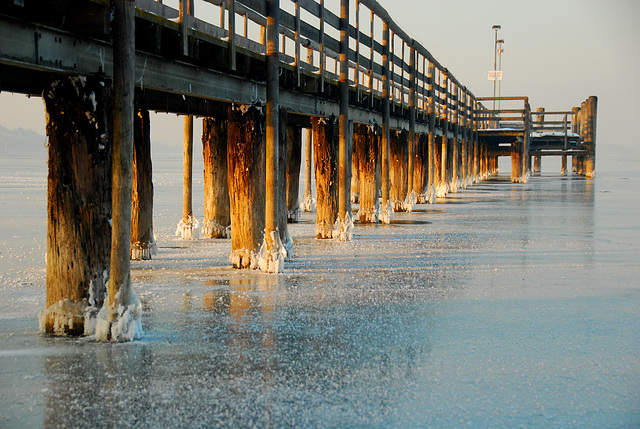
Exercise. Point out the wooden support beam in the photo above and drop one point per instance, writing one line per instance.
(590, 136)
(386, 213)
(188, 226)
(344, 173)
(217, 210)
(273, 253)
(398, 171)
(78, 203)
(431, 117)
(123, 310)
(294, 159)
(246, 179)
(411, 197)
(366, 141)
(143, 243)
(443, 187)
(455, 141)
(308, 201)
(325, 150)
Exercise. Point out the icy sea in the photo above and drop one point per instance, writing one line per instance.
(504, 305)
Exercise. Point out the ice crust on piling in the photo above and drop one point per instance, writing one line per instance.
(188, 230)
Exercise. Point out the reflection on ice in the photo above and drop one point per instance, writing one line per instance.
(509, 305)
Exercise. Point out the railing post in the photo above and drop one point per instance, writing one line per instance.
(371, 61)
(575, 128)
(387, 210)
(322, 58)
(443, 186)
(346, 222)
(232, 34)
(455, 141)
(297, 49)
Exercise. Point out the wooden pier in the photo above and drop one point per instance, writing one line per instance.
(391, 127)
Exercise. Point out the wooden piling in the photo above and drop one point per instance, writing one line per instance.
(386, 212)
(246, 179)
(143, 243)
(431, 118)
(590, 136)
(344, 172)
(410, 199)
(325, 149)
(366, 146)
(272, 252)
(294, 159)
(307, 203)
(398, 171)
(78, 202)
(123, 308)
(188, 226)
(455, 141)
(537, 159)
(217, 210)
(443, 186)
(420, 173)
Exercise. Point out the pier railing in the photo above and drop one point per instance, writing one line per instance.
(377, 46)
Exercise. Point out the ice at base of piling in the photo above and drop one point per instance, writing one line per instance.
(441, 190)
(188, 230)
(386, 214)
(453, 186)
(64, 314)
(343, 229)
(293, 215)
(410, 202)
(143, 251)
(212, 229)
(126, 327)
(272, 261)
(308, 204)
(371, 215)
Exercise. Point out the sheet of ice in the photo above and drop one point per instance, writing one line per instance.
(504, 306)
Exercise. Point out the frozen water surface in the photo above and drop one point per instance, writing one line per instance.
(504, 306)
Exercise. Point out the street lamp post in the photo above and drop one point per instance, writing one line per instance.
(500, 51)
(495, 28)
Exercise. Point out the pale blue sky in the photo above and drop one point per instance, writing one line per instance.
(556, 52)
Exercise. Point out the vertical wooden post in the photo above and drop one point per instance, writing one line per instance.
(565, 146)
(431, 117)
(123, 308)
(590, 143)
(297, 43)
(526, 158)
(516, 162)
(387, 210)
(443, 187)
(355, 173)
(143, 244)
(188, 226)
(231, 4)
(537, 160)
(281, 210)
(217, 210)
(398, 145)
(464, 143)
(371, 60)
(366, 143)
(272, 253)
(321, 67)
(246, 179)
(325, 149)
(455, 146)
(411, 199)
(575, 127)
(79, 199)
(294, 159)
(308, 201)
(344, 173)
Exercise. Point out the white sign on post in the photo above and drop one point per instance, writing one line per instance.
(494, 75)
